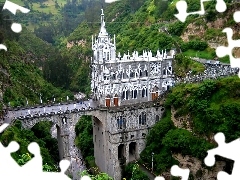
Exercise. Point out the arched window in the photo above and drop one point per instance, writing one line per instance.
(131, 74)
(134, 93)
(64, 120)
(142, 119)
(144, 92)
(146, 72)
(140, 73)
(125, 94)
(121, 122)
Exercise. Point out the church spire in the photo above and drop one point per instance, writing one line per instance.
(103, 31)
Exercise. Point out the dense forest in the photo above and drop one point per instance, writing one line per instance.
(50, 59)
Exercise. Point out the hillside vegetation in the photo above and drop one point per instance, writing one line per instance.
(208, 108)
(151, 25)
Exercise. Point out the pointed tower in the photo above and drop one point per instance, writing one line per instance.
(103, 49)
(104, 52)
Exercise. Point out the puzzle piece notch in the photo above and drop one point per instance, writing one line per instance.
(85, 178)
(221, 6)
(227, 150)
(181, 6)
(4, 125)
(236, 16)
(177, 171)
(222, 51)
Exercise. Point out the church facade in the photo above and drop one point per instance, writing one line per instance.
(125, 87)
(120, 80)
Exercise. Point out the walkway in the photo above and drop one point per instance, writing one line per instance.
(147, 172)
(38, 111)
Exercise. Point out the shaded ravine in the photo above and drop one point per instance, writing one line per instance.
(77, 164)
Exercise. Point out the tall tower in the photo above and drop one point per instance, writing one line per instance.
(103, 48)
(104, 51)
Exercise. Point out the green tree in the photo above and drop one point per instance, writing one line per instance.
(100, 176)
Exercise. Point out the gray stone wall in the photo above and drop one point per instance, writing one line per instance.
(114, 142)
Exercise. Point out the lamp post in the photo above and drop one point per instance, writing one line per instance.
(152, 160)
(26, 101)
(40, 98)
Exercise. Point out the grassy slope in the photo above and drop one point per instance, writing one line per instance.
(50, 6)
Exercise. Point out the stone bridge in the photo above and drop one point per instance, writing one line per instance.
(118, 132)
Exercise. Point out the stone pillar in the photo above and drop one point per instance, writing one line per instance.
(60, 143)
(127, 152)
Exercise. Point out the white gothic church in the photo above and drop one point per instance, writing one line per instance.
(120, 80)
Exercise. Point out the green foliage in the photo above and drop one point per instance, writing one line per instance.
(84, 139)
(184, 64)
(213, 105)
(176, 28)
(24, 138)
(24, 158)
(197, 45)
(100, 176)
(133, 172)
(162, 157)
(211, 15)
(182, 141)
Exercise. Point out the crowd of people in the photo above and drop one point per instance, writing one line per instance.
(212, 71)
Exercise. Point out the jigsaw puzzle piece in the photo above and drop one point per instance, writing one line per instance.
(181, 6)
(2, 46)
(35, 164)
(12, 7)
(227, 150)
(8, 165)
(64, 165)
(177, 171)
(223, 176)
(221, 6)
(223, 51)
(236, 16)
(4, 125)
(85, 178)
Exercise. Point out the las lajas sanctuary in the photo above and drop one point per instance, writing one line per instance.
(125, 81)
(129, 79)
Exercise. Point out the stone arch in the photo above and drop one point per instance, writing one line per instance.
(55, 125)
(132, 151)
(29, 123)
(58, 124)
(121, 152)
